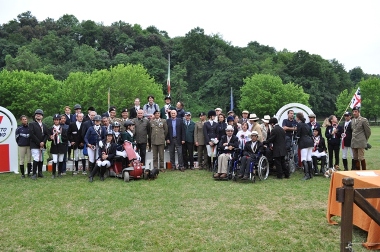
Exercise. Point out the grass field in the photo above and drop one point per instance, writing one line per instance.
(177, 212)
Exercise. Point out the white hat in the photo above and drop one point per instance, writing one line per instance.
(266, 119)
(253, 117)
(218, 109)
(245, 112)
(229, 127)
(254, 133)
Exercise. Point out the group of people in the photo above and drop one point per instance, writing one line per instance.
(149, 128)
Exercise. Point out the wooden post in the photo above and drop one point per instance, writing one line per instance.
(347, 214)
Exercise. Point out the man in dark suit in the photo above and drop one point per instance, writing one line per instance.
(78, 110)
(210, 132)
(277, 138)
(227, 144)
(134, 109)
(77, 142)
(38, 133)
(175, 138)
(250, 154)
(88, 124)
(87, 117)
(188, 146)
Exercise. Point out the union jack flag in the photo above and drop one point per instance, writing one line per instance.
(356, 100)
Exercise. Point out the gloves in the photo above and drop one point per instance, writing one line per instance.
(101, 144)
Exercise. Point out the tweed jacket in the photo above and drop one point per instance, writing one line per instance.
(142, 130)
(360, 132)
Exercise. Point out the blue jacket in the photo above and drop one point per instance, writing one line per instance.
(92, 137)
(22, 135)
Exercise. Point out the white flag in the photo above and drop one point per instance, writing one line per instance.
(356, 100)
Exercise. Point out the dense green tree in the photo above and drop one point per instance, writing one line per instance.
(264, 94)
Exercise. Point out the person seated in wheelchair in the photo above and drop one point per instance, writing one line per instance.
(251, 152)
(107, 153)
(226, 146)
(319, 150)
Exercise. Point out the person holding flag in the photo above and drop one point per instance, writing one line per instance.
(360, 135)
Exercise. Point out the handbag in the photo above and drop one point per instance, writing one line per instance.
(85, 151)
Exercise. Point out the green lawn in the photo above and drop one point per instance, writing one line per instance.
(177, 212)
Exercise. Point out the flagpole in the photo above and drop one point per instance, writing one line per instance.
(168, 81)
(232, 101)
(348, 106)
(109, 97)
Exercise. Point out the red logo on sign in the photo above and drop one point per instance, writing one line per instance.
(1, 118)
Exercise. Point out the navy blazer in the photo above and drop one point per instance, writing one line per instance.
(210, 131)
(259, 148)
(234, 142)
(179, 130)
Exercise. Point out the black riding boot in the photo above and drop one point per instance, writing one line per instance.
(29, 165)
(353, 164)
(60, 168)
(311, 169)
(40, 164)
(22, 170)
(345, 164)
(83, 165)
(102, 172)
(76, 165)
(94, 171)
(306, 170)
(35, 164)
(54, 167)
(315, 164)
(323, 164)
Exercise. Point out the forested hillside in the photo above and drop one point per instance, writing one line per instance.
(203, 67)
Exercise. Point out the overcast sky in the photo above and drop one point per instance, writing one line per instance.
(348, 31)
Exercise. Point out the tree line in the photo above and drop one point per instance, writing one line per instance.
(83, 59)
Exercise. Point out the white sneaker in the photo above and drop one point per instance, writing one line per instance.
(75, 173)
(63, 173)
(84, 173)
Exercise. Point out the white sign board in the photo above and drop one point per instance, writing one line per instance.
(282, 113)
(8, 145)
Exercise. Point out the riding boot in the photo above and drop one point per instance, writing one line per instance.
(60, 169)
(102, 172)
(306, 170)
(315, 164)
(54, 167)
(40, 164)
(34, 174)
(90, 166)
(76, 165)
(94, 170)
(364, 165)
(311, 169)
(323, 164)
(29, 165)
(22, 170)
(357, 165)
(345, 164)
(353, 164)
(83, 165)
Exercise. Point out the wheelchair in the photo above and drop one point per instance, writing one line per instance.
(231, 162)
(259, 167)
